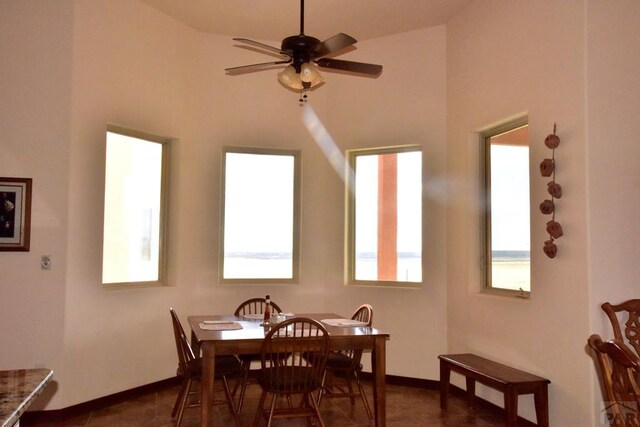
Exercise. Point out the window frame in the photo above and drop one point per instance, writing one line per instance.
(350, 244)
(486, 230)
(163, 228)
(297, 184)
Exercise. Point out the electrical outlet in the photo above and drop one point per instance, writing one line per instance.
(45, 262)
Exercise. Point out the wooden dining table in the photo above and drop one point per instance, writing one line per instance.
(249, 339)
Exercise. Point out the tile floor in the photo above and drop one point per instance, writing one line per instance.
(406, 406)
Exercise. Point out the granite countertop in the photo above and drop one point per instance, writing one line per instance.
(18, 389)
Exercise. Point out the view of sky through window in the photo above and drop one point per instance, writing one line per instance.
(258, 216)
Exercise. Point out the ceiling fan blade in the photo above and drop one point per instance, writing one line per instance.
(262, 46)
(254, 67)
(356, 67)
(333, 44)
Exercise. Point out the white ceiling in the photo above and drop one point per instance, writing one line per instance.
(277, 19)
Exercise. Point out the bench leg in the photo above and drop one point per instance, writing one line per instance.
(445, 375)
(511, 407)
(471, 392)
(540, 398)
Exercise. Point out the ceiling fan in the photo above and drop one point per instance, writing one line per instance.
(305, 54)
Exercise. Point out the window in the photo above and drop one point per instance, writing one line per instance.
(261, 215)
(384, 241)
(506, 218)
(135, 194)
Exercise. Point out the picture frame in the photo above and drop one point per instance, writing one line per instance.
(15, 214)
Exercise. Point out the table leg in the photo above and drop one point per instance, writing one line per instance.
(511, 406)
(471, 392)
(541, 400)
(445, 375)
(208, 370)
(378, 362)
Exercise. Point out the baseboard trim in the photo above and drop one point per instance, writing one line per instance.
(405, 381)
(103, 402)
(56, 415)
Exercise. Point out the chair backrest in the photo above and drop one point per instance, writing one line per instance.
(630, 313)
(186, 356)
(618, 367)
(255, 306)
(284, 368)
(364, 313)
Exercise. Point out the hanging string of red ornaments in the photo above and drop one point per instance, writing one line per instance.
(548, 169)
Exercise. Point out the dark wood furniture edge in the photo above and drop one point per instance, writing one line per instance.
(519, 383)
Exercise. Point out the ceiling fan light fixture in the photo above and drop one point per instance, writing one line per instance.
(309, 73)
(308, 77)
(289, 78)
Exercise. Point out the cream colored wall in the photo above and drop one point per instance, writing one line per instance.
(36, 39)
(505, 59)
(613, 94)
(120, 62)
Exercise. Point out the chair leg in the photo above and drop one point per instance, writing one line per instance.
(176, 405)
(350, 388)
(364, 396)
(306, 402)
(183, 401)
(321, 390)
(246, 368)
(272, 409)
(316, 409)
(230, 404)
(238, 382)
(256, 419)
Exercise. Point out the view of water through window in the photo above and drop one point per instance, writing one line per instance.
(510, 218)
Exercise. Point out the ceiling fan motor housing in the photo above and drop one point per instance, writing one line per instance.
(301, 47)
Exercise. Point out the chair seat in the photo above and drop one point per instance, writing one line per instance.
(249, 357)
(337, 360)
(225, 366)
(293, 378)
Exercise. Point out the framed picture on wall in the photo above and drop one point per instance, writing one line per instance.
(15, 214)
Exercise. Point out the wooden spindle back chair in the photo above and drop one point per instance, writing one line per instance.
(346, 365)
(285, 373)
(190, 370)
(250, 306)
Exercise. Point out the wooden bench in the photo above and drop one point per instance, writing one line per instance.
(510, 381)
